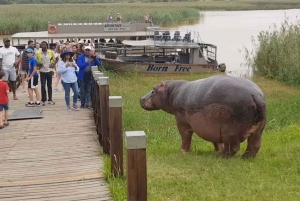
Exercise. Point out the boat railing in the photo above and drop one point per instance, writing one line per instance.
(98, 22)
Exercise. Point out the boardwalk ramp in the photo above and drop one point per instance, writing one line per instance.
(52, 158)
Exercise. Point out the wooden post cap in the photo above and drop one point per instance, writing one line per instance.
(94, 72)
(94, 68)
(103, 80)
(115, 101)
(135, 139)
(97, 75)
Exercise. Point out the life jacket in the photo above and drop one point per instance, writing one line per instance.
(39, 56)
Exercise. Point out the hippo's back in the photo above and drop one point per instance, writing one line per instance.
(238, 94)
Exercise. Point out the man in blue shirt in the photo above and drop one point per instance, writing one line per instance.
(85, 62)
(32, 79)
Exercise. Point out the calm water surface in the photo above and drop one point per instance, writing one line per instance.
(231, 31)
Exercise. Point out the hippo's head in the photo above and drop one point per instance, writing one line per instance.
(156, 99)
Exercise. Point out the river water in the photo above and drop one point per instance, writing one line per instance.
(231, 31)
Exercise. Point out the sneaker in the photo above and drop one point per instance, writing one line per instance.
(87, 106)
(51, 103)
(75, 107)
(42, 103)
(29, 104)
(81, 106)
(37, 104)
(69, 108)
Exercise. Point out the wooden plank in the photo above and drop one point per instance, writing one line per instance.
(53, 158)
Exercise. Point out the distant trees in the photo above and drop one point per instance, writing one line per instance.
(4, 2)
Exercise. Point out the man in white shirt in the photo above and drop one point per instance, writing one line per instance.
(8, 62)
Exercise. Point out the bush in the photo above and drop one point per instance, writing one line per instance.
(276, 53)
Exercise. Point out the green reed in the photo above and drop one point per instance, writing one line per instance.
(25, 18)
(276, 53)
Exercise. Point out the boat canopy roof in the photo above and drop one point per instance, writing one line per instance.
(207, 44)
(45, 35)
(162, 44)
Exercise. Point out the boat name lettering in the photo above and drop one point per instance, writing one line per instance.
(182, 69)
(178, 68)
(116, 27)
(151, 67)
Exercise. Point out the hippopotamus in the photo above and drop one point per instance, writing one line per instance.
(225, 110)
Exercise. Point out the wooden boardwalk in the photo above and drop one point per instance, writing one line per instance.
(54, 158)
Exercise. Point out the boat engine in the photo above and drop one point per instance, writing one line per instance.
(222, 67)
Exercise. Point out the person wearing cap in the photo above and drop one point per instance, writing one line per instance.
(47, 61)
(67, 68)
(85, 62)
(32, 79)
(8, 62)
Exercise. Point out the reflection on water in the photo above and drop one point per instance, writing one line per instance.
(231, 31)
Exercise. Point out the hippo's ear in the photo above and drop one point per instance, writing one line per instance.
(163, 84)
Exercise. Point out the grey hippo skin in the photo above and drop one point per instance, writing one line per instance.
(221, 109)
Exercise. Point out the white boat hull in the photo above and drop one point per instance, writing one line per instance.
(159, 68)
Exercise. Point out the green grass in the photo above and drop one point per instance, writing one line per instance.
(23, 18)
(199, 175)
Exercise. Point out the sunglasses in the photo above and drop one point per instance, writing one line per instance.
(68, 54)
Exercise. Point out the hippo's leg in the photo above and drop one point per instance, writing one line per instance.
(253, 144)
(218, 146)
(231, 146)
(230, 149)
(186, 138)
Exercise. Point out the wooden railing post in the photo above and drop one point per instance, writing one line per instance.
(104, 113)
(136, 165)
(93, 90)
(116, 135)
(94, 96)
(96, 102)
(94, 68)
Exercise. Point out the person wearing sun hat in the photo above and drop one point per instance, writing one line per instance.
(67, 68)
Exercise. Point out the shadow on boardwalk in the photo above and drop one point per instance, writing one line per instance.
(54, 158)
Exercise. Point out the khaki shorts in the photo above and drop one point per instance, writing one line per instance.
(10, 74)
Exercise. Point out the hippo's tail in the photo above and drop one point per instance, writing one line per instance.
(260, 109)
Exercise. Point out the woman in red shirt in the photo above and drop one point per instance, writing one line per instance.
(4, 90)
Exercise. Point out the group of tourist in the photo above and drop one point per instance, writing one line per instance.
(69, 62)
(110, 18)
(147, 18)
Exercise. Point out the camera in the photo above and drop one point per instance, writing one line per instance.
(93, 57)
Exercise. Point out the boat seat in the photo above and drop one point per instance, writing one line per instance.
(187, 37)
(177, 36)
(166, 36)
(156, 35)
